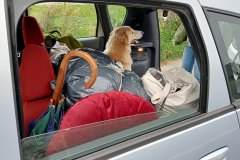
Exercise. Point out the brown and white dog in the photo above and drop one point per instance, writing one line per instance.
(118, 46)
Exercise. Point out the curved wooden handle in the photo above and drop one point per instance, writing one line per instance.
(63, 68)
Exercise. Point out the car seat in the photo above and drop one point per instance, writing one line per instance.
(36, 72)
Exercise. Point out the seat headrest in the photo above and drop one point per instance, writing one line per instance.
(32, 33)
(36, 73)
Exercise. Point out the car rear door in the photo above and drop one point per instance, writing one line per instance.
(208, 136)
(213, 135)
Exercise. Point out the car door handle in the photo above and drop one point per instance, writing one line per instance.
(220, 154)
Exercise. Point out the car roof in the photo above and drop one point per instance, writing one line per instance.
(229, 5)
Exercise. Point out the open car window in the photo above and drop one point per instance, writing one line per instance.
(116, 15)
(94, 134)
(76, 19)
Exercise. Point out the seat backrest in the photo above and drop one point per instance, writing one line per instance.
(36, 72)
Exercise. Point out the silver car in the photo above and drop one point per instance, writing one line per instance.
(209, 131)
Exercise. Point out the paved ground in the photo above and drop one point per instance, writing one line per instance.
(165, 65)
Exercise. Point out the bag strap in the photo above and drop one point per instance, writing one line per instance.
(55, 31)
(149, 77)
(161, 97)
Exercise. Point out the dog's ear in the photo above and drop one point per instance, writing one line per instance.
(124, 38)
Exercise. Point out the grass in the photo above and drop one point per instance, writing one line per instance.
(117, 15)
(168, 50)
(80, 20)
(75, 19)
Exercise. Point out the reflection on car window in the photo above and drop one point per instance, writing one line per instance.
(95, 136)
(76, 19)
(226, 31)
(117, 15)
(53, 142)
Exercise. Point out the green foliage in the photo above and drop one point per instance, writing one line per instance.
(76, 19)
(167, 30)
(117, 15)
(80, 20)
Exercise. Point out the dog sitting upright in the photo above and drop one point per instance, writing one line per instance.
(118, 46)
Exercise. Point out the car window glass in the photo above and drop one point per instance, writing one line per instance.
(226, 31)
(117, 15)
(76, 19)
(96, 136)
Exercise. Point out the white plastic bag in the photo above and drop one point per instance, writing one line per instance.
(172, 89)
(57, 50)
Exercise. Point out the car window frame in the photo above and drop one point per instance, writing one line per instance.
(220, 44)
(172, 129)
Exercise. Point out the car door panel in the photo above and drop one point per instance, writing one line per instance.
(193, 143)
(9, 136)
